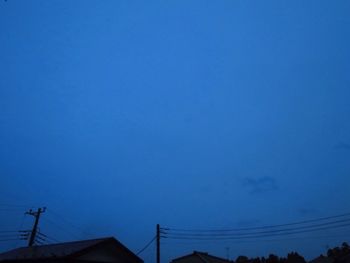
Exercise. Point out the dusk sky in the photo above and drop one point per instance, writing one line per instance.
(118, 115)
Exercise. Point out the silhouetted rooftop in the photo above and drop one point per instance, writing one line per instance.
(63, 250)
(199, 257)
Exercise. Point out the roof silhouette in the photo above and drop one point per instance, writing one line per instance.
(199, 257)
(63, 250)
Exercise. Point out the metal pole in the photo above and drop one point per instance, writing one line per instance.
(158, 243)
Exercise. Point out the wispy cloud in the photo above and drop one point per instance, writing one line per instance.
(260, 184)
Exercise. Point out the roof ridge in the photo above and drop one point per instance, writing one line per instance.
(69, 242)
(200, 255)
(215, 257)
(62, 247)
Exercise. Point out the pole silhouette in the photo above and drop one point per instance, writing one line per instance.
(36, 223)
(158, 243)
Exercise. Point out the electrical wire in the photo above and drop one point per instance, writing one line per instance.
(44, 236)
(51, 239)
(10, 239)
(146, 246)
(20, 231)
(69, 223)
(71, 234)
(235, 237)
(259, 227)
(9, 236)
(201, 242)
(240, 233)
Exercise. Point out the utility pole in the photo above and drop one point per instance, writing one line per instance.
(228, 253)
(36, 222)
(158, 243)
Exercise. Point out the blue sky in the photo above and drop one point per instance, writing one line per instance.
(119, 115)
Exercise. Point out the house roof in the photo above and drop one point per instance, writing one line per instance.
(204, 257)
(62, 250)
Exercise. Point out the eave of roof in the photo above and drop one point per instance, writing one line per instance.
(203, 256)
(68, 250)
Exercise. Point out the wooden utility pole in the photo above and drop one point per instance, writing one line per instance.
(158, 243)
(35, 226)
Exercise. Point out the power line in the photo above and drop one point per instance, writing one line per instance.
(259, 227)
(39, 242)
(51, 239)
(241, 233)
(9, 235)
(69, 223)
(39, 238)
(10, 239)
(20, 227)
(259, 233)
(201, 242)
(236, 237)
(69, 233)
(44, 236)
(305, 226)
(147, 245)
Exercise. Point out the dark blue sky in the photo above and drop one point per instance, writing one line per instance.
(118, 115)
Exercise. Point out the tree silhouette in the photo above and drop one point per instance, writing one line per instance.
(242, 259)
(272, 259)
(294, 257)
